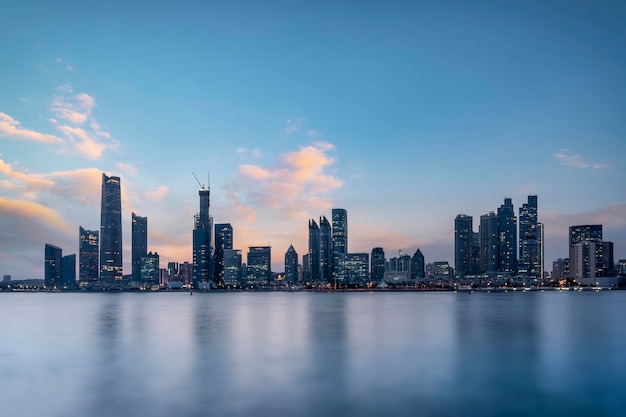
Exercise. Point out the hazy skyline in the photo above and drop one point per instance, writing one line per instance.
(403, 114)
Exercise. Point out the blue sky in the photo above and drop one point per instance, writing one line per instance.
(404, 113)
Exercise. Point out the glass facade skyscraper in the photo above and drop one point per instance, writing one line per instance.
(52, 266)
(326, 250)
(202, 250)
(111, 230)
(68, 271)
(291, 265)
(377, 265)
(139, 238)
(259, 264)
(530, 262)
(314, 251)
(223, 241)
(88, 243)
(339, 237)
(463, 236)
(489, 251)
(418, 265)
(507, 234)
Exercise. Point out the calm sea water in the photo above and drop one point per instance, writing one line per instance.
(313, 354)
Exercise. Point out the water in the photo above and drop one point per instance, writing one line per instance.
(313, 354)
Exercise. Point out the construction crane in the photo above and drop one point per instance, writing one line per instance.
(199, 183)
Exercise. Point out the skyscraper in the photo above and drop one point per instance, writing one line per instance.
(463, 235)
(149, 269)
(232, 267)
(314, 250)
(489, 252)
(259, 264)
(291, 265)
(326, 250)
(111, 230)
(529, 239)
(139, 237)
(88, 243)
(377, 265)
(202, 239)
(339, 236)
(585, 251)
(223, 241)
(507, 232)
(52, 266)
(68, 271)
(418, 265)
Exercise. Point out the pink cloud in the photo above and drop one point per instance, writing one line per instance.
(11, 128)
(157, 195)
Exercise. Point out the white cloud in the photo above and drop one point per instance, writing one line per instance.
(569, 159)
(23, 100)
(70, 68)
(11, 128)
(157, 195)
(293, 125)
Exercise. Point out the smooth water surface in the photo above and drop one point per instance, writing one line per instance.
(313, 354)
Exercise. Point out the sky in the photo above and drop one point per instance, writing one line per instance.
(403, 113)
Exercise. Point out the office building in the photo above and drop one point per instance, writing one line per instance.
(418, 265)
(259, 265)
(585, 252)
(463, 235)
(608, 263)
(326, 250)
(291, 265)
(223, 241)
(232, 267)
(475, 268)
(377, 271)
(149, 269)
(139, 247)
(507, 232)
(111, 230)
(398, 269)
(52, 266)
(339, 236)
(68, 271)
(530, 240)
(489, 250)
(88, 246)
(202, 250)
(306, 272)
(314, 251)
(353, 268)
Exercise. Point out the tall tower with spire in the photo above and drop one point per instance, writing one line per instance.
(202, 250)
(111, 230)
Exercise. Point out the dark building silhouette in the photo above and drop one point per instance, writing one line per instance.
(291, 265)
(475, 258)
(202, 251)
(418, 265)
(339, 237)
(608, 261)
(223, 241)
(232, 267)
(530, 242)
(111, 230)
(463, 235)
(88, 245)
(377, 264)
(326, 250)
(489, 249)
(68, 271)
(259, 264)
(139, 238)
(52, 266)
(314, 251)
(507, 231)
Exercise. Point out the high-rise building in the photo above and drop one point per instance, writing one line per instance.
(585, 251)
(186, 272)
(202, 250)
(139, 238)
(223, 241)
(259, 264)
(52, 266)
(111, 230)
(173, 271)
(507, 233)
(232, 267)
(88, 244)
(353, 268)
(398, 269)
(68, 271)
(314, 250)
(377, 264)
(326, 250)
(339, 237)
(489, 252)
(530, 236)
(306, 268)
(608, 263)
(475, 258)
(558, 270)
(418, 265)
(149, 269)
(291, 265)
(463, 235)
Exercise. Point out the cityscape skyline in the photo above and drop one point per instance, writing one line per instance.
(403, 114)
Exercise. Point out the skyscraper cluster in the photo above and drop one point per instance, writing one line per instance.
(493, 250)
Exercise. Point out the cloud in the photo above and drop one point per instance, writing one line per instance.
(11, 208)
(58, 60)
(128, 168)
(244, 151)
(11, 128)
(157, 195)
(74, 109)
(70, 68)
(84, 142)
(569, 159)
(23, 100)
(293, 125)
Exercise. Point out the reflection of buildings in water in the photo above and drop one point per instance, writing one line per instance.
(497, 351)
